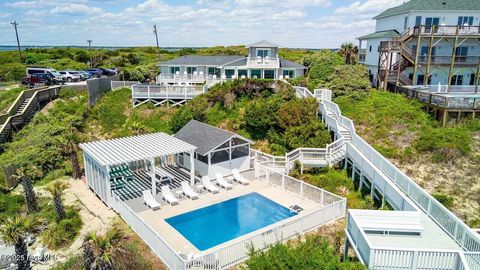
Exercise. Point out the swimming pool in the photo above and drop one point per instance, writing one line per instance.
(215, 224)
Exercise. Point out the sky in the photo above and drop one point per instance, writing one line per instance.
(182, 23)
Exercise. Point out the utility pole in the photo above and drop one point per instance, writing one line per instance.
(15, 23)
(89, 49)
(156, 36)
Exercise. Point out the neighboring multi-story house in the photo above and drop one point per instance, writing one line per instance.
(425, 42)
(262, 62)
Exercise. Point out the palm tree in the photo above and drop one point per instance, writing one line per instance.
(30, 197)
(14, 231)
(68, 144)
(100, 251)
(56, 189)
(349, 51)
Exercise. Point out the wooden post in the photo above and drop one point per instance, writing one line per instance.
(429, 59)
(152, 176)
(444, 120)
(452, 60)
(477, 80)
(417, 53)
(192, 168)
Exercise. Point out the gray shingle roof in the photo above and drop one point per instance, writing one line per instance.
(202, 60)
(289, 64)
(437, 5)
(203, 136)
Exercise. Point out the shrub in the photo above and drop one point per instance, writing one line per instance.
(322, 64)
(446, 144)
(347, 79)
(12, 71)
(312, 134)
(297, 112)
(444, 199)
(63, 233)
(313, 253)
(260, 116)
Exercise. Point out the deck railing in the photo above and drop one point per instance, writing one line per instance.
(451, 224)
(263, 62)
(459, 97)
(166, 91)
(120, 84)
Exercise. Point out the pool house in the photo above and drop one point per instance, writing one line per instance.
(164, 187)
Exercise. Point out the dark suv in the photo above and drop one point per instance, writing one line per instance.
(45, 78)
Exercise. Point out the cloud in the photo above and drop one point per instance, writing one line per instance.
(369, 7)
(76, 9)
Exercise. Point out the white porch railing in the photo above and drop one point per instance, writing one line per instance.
(182, 78)
(229, 254)
(166, 91)
(263, 62)
(120, 84)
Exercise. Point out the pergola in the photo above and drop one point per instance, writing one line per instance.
(101, 156)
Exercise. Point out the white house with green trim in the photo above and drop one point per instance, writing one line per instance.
(419, 25)
(262, 61)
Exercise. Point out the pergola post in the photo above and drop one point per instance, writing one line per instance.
(152, 176)
(192, 168)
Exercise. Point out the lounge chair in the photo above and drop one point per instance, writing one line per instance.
(208, 185)
(168, 195)
(188, 191)
(221, 181)
(239, 178)
(149, 200)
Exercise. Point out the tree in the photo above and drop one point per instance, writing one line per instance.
(100, 251)
(14, 231)
(68, 144)
(347, 79)
(56, 189)
(322, 64)
(26, 182)
(349, 51)
(297, 112)
(260, 116)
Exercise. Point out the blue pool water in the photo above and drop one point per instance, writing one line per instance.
(213, 225)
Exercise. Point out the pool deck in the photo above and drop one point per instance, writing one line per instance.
(156, 219)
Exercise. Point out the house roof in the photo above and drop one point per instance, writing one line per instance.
(135, 148)
(437, 5)
(209, 60)
(263, 43)
(381, 34)
(289, 64)
(204, 136)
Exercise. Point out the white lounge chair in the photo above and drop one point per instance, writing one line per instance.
(188, 191)
(208, 185)
(149, 200)
(239, 178)
(221, 181)
(168, 195)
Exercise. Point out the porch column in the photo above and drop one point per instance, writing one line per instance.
(152, 176)
(192, 168)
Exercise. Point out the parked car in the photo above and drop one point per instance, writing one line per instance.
(84, 75)
(94, 72)
(108, 72)
(69, 76)
(45, 78)
(58, 78)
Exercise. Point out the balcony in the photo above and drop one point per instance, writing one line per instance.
(439, 60)
(446, 30)
(167, 78)
(263, 62)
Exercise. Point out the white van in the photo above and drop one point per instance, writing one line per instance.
(35, 70)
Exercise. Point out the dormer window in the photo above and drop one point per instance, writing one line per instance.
(263, 53)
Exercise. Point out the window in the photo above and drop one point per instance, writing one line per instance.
(211, 71)
(269, 74)
(461, 54)
(431, 21)
(190, 70)
(240, 151)
(242, 72)
(263, 52)
(457, 80)
(424, 54)
(465, 20)
(418, 20)
(472, 79)
(201, 158)
(173, 70)
(229, 73)
(405, 23)
(370, 48)
(289, 73)
(420, 79)
(256, 73)
(220, 156)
